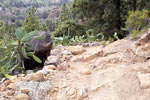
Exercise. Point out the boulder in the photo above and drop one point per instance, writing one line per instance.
(42, 50)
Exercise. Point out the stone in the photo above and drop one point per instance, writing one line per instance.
(44, 71)
(61, 68)
(13, 78)
(83, 93)
(142, 46)
(71, 92)
(65, 64)
(11, 86)
(37, 90)
(93, 55)
(50, 67)
(51, 60)
(24, 90)
(29, 71)
(3, 88)
(144, 80)
(21, 75)
(35, 77)
(66, 52)
(21, 96)
(85, 72)
(17, 79)
(7, 82)
(76, 58)
(64, 85)
(10, 93)
(76, 50)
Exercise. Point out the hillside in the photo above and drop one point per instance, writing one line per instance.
(17, 9)
(116, 71)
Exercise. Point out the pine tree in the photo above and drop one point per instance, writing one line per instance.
(32, 22)
(65, 14)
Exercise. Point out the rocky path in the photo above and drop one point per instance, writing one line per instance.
(117, 71)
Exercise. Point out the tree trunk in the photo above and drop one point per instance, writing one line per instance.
(134, 5)
(117, 13)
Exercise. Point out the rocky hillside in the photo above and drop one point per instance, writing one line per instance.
(116, 71)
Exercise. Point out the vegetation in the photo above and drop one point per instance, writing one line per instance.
(137, 22)
(14, 51)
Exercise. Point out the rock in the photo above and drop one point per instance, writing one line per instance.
(15, 79)
(10, 93)
(21, 75)
(66, 52)
(26, 91)
(65, 64)
(142, 46)
(7, 82)
(83, 93)
(76, 58)
(3, 79)
(144, 80)
(42, 50)
(76, 50)
(93, 55)
(61, 68)
(35, 77)
(44, 71)
(11, 86)
(50, 67)
(3, 88)
(21, 96)
(51, 60)
(85, 72)
(71, 92)
(37, 90)
(64, 85)
(29, 71)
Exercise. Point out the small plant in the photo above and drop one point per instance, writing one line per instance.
(15, 51)
(116, 36)
(104, 42)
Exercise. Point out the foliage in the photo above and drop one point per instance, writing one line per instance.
(97, 15)
(69, 27)
(136, 33)
(32, 22)
(45, 15)
(137, 21)
(1, 29)
(65, 13)
(14, 51)
(77, 39)
(50, 25)
(43, 27)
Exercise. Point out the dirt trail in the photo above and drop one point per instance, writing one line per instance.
(117, 71)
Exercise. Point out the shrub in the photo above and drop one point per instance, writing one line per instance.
(13, 51)
(137, 21)
(69, 27)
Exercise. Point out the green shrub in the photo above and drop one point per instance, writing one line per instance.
(137, 21)
(12, 51)
(69, 27)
